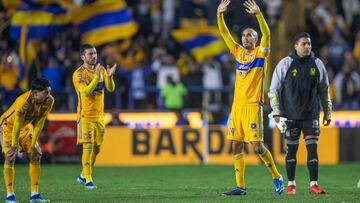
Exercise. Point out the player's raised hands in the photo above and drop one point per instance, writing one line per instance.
(251, 7)
(97, 69)
(223, 6)
(111, 71)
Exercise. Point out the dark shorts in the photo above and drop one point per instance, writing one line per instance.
(308, 127)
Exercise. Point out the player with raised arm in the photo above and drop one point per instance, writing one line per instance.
(89, 82)
(246, 118)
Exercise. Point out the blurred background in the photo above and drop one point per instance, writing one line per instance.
(172, 44)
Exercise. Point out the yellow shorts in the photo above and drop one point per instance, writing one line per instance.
(246, 123)
(90, 132)
(24, 139)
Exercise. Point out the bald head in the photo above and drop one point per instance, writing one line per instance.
(249, 38)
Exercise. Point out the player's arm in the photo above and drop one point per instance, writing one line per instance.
(109, 78)
(324, 92)
(224, 31)
(278, 76)
(253, 8)
(39, 123)
(18, 122)
(84, 89)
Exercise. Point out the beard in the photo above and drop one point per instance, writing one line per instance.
(91, 62)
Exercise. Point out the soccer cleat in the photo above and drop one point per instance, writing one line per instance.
(279, 185)
(38, 198)
(11, 199)
(235, 191)
(81, 180)
(291, 190)
(90, 186)
(316, 190)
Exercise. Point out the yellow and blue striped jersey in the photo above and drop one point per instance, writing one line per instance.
(27, 107)
(90, 90)
(251, 67)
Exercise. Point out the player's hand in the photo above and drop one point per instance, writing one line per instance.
(327, 118)
(111, 71)
(11, 154)
(281, 123)
(326, 121)
(251, 7)
(223, 6)
(277, 119)
(97, 69)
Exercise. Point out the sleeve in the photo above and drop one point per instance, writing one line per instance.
(265, 32)
(23, 106)
(39, 123)
(225, 34)
(109, 80)
(324, 89)
(81, 86)
(278, 76)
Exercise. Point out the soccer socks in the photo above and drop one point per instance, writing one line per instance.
(291, 161)
(268, 160)
(312, 161)
(34, 173)
(94, 154)
(9, 173)
(239, 165)
(86, 162)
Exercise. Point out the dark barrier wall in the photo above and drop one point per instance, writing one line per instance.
(350, 144)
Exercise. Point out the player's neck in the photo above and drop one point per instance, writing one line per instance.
(88, 66)
(249, 50)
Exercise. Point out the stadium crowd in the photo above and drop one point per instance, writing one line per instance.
(154, 67)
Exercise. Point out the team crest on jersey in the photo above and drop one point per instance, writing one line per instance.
(312, 71)
(294, 72)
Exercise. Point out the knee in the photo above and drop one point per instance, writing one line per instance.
(35, 157)
(237, 147)
(291, 149)
(96, 150)
(259, 148)
(88, 146)
(10, 160)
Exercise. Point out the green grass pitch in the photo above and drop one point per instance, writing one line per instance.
(183, 184)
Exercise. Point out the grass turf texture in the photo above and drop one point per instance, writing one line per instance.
(183, 184)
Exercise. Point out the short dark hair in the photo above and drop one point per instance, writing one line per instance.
(299, 36)
(84, 47)
(40, 84)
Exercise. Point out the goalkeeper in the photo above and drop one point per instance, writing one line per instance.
(299, 84)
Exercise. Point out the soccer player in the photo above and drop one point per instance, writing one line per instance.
(89, 81)
(298, 86)
(246, 118)
(20, 129)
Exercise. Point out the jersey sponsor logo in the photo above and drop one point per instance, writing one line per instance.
(294, 72)
(312, 71)
(254, 136)
(253, 126)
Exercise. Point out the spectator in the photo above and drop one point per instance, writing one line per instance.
(173, 94)
(347, 88)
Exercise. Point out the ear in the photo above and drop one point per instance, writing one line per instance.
(82, 57)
